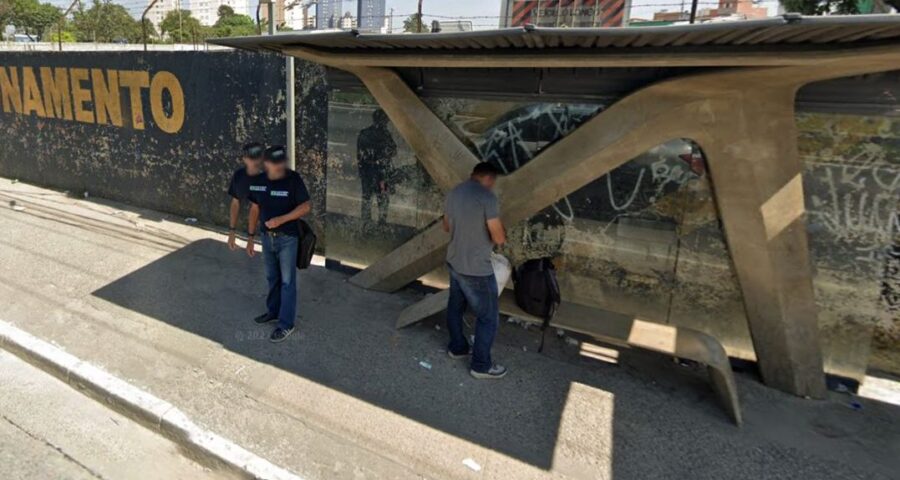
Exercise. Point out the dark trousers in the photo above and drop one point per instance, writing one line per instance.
(479, 293)
(371, 189)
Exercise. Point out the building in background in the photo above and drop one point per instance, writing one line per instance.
(558, 13)
(328, 14)
(728, 10)
(348, 21)
(370, 15)
(279, 13)
(207, 11)
(297, 14)
(159, 11)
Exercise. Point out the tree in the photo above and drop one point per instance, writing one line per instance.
(412, 23)
(29, 16)
(821, 7)
(180, 27)
(106, 22)
(231, 24)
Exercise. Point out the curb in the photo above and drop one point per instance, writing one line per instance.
(157, 414)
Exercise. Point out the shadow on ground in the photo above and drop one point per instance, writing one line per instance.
(663, 425)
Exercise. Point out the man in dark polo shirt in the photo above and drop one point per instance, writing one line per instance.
(239, 188)
(278, 199)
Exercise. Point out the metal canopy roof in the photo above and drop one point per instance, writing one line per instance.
(789, 32)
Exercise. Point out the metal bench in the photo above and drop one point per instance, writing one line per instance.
(619, 330)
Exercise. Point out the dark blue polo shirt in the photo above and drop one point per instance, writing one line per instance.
(239, 187)
(278, 197)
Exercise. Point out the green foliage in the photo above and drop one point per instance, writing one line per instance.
(231, 24)
(180, 26)
(29, 16)
(413, 22)
(68, 36)
(106, 22)
(821, 7)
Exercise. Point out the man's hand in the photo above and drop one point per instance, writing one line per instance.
(274, 223)
(383, 185)
(251, 250)
(232, 245)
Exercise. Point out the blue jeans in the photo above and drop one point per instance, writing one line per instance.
(280, 256)
(479, 293)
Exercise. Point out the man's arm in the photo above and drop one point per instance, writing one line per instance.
(497, 231)
(446, 223)
(252, 222)
(298, 212)
(232, 223)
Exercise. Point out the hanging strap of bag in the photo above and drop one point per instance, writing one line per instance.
(553, 288)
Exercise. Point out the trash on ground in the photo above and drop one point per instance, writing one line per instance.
(841, 388)
(87, 194)
(190, 220)
(524, 349)
(437, 327)
(472, 464)
(15, 180)
(425, 365)
(856, 405)
(18, 208)
(572, 341)
(560, 333)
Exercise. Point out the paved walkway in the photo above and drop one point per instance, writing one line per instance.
(167, 307)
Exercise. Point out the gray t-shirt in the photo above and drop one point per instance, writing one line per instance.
(468, 208)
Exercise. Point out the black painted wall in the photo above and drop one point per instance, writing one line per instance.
(228, 98)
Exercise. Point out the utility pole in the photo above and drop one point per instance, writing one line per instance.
(391, 21)
(62, 20)
(419, 18)
(693, 10)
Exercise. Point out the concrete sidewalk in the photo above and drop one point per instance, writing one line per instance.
(167, 307)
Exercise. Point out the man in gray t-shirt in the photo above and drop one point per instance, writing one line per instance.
(472, 217)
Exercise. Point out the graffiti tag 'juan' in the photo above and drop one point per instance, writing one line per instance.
(93, 95)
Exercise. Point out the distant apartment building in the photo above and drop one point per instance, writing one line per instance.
(279, 13)
(328, 14)
(727, 10)
(348, 21)
(159, 11)
(370, 15)
(562, 13)
(207, 11)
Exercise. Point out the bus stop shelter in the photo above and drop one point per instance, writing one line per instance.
(732, 91)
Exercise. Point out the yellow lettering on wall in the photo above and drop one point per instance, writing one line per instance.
(57, 101)
(107, 101)
(167, 81)
(80, 95)
(31, 101)
(134, 81)
(9, 90)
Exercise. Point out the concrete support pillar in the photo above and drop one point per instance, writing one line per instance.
(750, 142)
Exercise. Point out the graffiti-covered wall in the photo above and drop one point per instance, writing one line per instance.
(156, 129)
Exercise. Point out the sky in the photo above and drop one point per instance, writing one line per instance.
(483, 13)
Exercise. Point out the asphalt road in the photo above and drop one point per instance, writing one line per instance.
(50, 431)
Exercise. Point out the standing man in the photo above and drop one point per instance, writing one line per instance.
(472, 217)
(278, 199)
(375, 147)
(239, 188)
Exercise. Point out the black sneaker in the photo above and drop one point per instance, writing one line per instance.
(456, 356)
(265, 318)
(496, 371)
(280, 334)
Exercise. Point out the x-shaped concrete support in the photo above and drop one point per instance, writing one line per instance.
(749, 138)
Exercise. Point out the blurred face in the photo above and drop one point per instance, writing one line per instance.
(254, 164)
(276, 169)
(486, 181)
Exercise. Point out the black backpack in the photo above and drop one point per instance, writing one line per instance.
(306, 247)
(537, 291)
